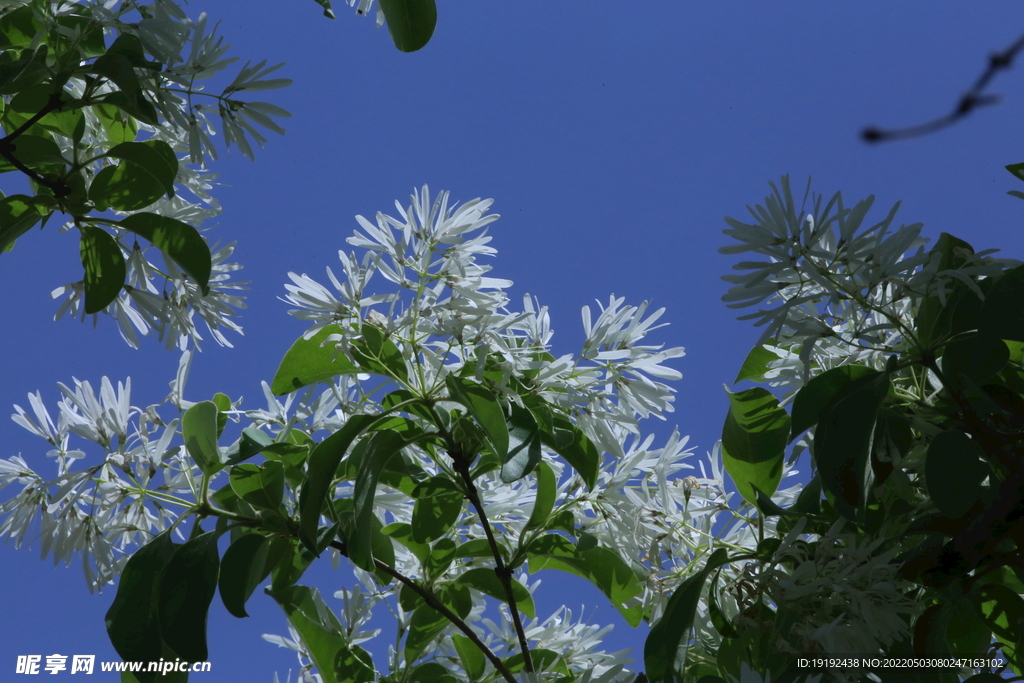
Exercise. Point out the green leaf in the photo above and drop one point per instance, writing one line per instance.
(402, 532)
(247, 562)
(307, 362)
(437, 507)
(124, 187)
(718, 618)
(380, 447)
(472, 658)
(756, 364)
(525, 439)
(180, 241)
(951, 256)
(326, 4)
(670, 637)
(812, 398)
(842, 439)
(259, 486)
(322, 470)
(979, 358)
(568, 441)
(410, 22)
(425, 625)
(119, 126)
(1002, 611)
(187, 586)
(487, 582)
(199, 429)
(250, 443)
(754, 441)
(18, 213)
(38, 152)
(154, 158)
(323, 634)
(484, 408)
(31, 101)
(223, 403)
(954, 470)
(1017, 170)
(440, 558)
(547, 491)
(1002, 315)
(602, 567)
(131, 621)
(377, 354)
(104, 268)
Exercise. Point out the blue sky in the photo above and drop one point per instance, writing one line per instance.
(614, 137)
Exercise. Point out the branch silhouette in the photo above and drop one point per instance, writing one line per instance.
(971, 100)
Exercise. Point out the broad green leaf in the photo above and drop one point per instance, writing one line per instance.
(28, 70)
(154, 158)
(104, 268)
(979, 358)
(335, 660)
(402, 532)
(547, 491)
(950, 252)
(437, 507)
(410, 22)
(568, 441)
(669, 638)
(1002, 314)
(1002, 610)
(19, 27)
(440, 558)
(525, 441)
(812, 398)
(124, 187)
(119, 126)
(953, 471)
(427, 623)
(246, 563)
(261, 486)
(323, 468)
(223, 403)
(431, 672)
(479, 547)
(18, 213)
(543, 660)
(31, 101)
(754, 441)
(486, 581)
(602, 567)
(380, 447)
(472, 658)
(38, 152)
(307, 362)
(180, 241)
(842, 439)
(485, 409)
(756, 364)
(187, 586)
(199, 429)
(1017, 170)
(251, 443)
(326, 4)
(377, 354)
(132, 623)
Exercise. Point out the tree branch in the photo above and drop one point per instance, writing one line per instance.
(503, 572)
(971, 100)
(432, 600)
(7, 147)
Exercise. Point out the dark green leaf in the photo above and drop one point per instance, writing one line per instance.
(187, 586)
(436, 509)
(672, 632)
(547, 490)
(259, 486)
(486, 581)
(125, 187)
(199, 429)
(104, 268)
(18, 213)
(326, 4)
(602, 567)
(31, 101)
(377, 354)
(155, 158)
(472, 658)
(842, 439)
(410, 22)
(979, 358)
(568, 441)
(812, 398)
(954, 471)
(180, 241)
(525, 450)
(120, 127)
(425, 625)
(1002, 314)
(38, 152)
(131, 621)
(252, 442)
(307, 362)
(323, 467)
(754, 441)
(335, 660)
(756, 364)
(718, 618)
(440, 558)
(402, 532)
(951, 256)
(246, 563)
(485, 409)
(380, 447)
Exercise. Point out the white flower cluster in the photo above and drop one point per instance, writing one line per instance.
(844, 294)
(188, 52)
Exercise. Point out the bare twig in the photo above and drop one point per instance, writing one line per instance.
(972, 99)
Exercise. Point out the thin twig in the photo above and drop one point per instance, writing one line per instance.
(8, 146)
(502, 571)
(432, 600)
(973, 99)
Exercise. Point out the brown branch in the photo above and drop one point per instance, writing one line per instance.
(504, 574)
(432, 600)
(971, 100)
